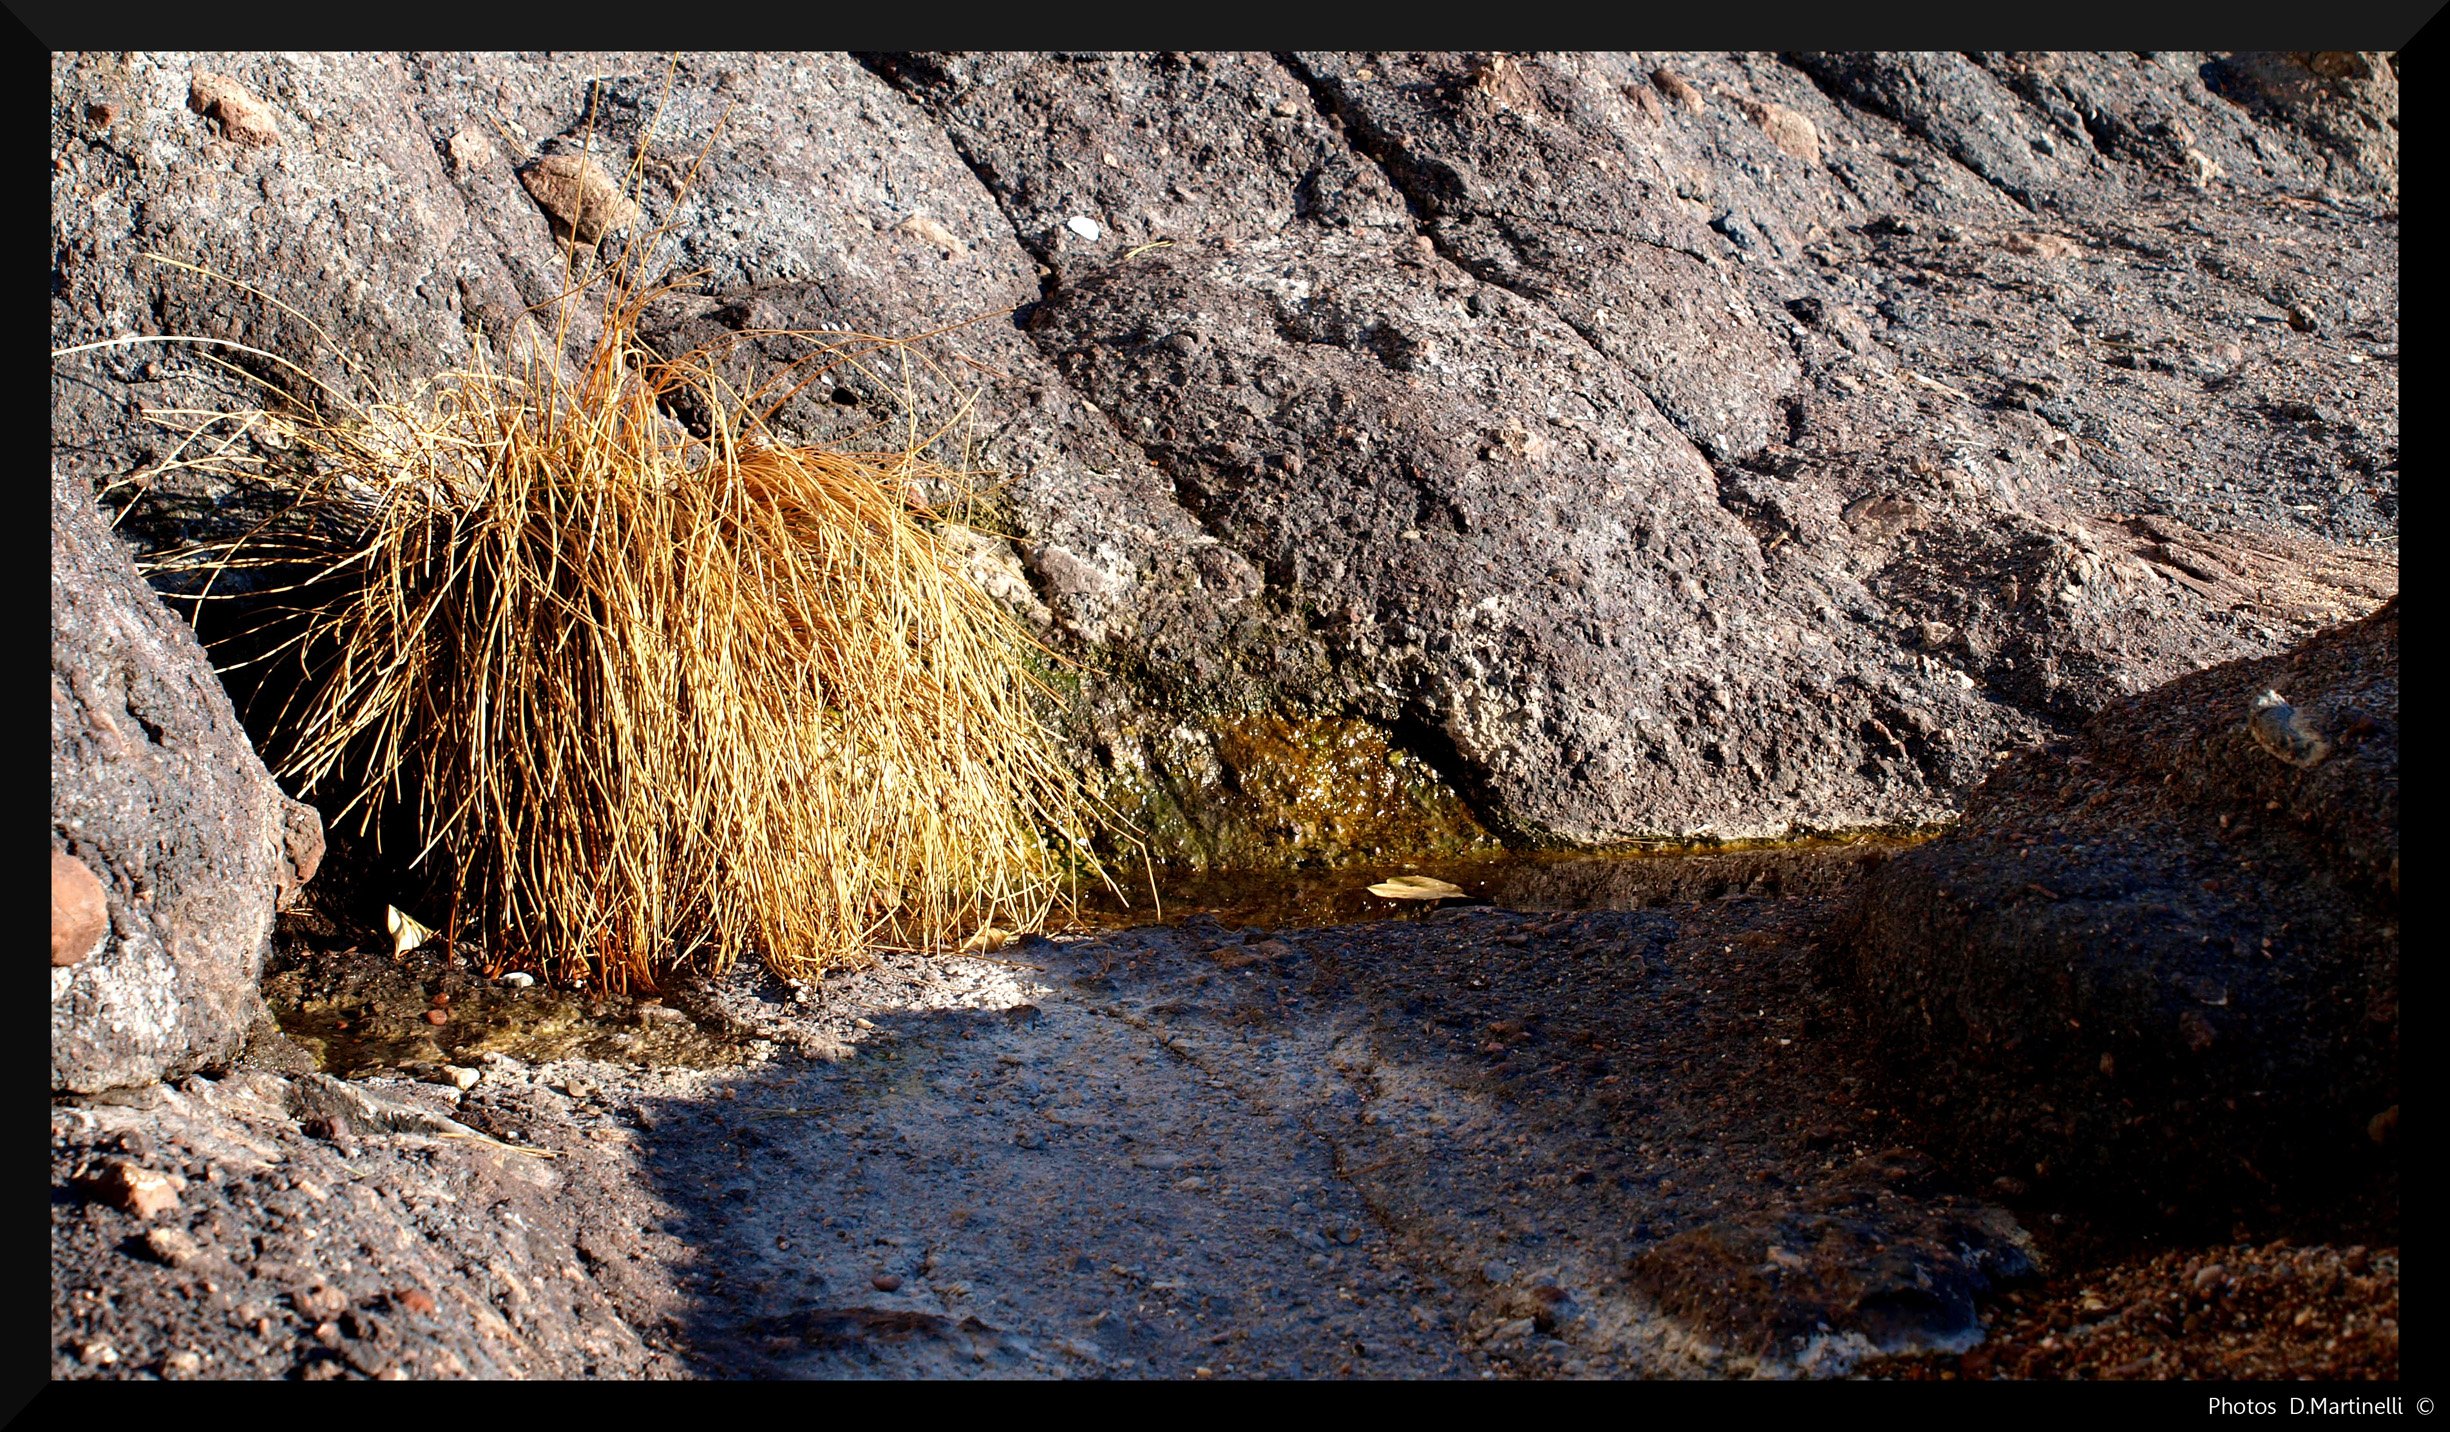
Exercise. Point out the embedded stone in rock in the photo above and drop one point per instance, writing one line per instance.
(173, 1247)
(2154, 964)
(1822, 1287)
(156, 792)
(78, 913)
(929, 231)
(132, 1188)
(243, 118)
(583, 202)
(302, 844)
(1789, 130)
(2280, 729)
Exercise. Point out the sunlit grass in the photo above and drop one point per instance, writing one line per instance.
(647, 698)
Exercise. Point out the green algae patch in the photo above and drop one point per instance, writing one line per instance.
(1271, 791)
(360, 1011)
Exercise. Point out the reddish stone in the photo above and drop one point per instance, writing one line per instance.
(78, 910)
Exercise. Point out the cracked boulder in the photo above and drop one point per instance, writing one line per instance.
(1502, 543)
(1533, 181)
(2158, 964)
(165, 820)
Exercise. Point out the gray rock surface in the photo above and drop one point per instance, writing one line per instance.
(1646, 445)
(1491, 1142)
(300, 1246)
(1819, 425)
(156, 793)
(2159, 964)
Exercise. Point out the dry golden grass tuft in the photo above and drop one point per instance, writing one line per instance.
(656, 700)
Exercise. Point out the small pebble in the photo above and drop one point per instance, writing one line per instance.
(886, 1283)
(244, 119)
(1085, 227)
(79, 911)
(518, 979)
(173, 1247)
(134, 1189)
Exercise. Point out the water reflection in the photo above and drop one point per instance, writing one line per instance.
(1530, 882)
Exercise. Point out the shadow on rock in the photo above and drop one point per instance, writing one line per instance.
(1581, 1143)
(2158, 966)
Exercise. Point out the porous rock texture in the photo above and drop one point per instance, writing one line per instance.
(1646, 445)
(158, 798)
(1656, 445)
(2159, 963)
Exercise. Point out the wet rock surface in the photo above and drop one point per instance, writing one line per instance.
(2160, 963)
(362, 1011)
(1431, 1148)
(170, 843)
(1482, 1141)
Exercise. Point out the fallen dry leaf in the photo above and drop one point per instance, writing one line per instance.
(406, 934)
